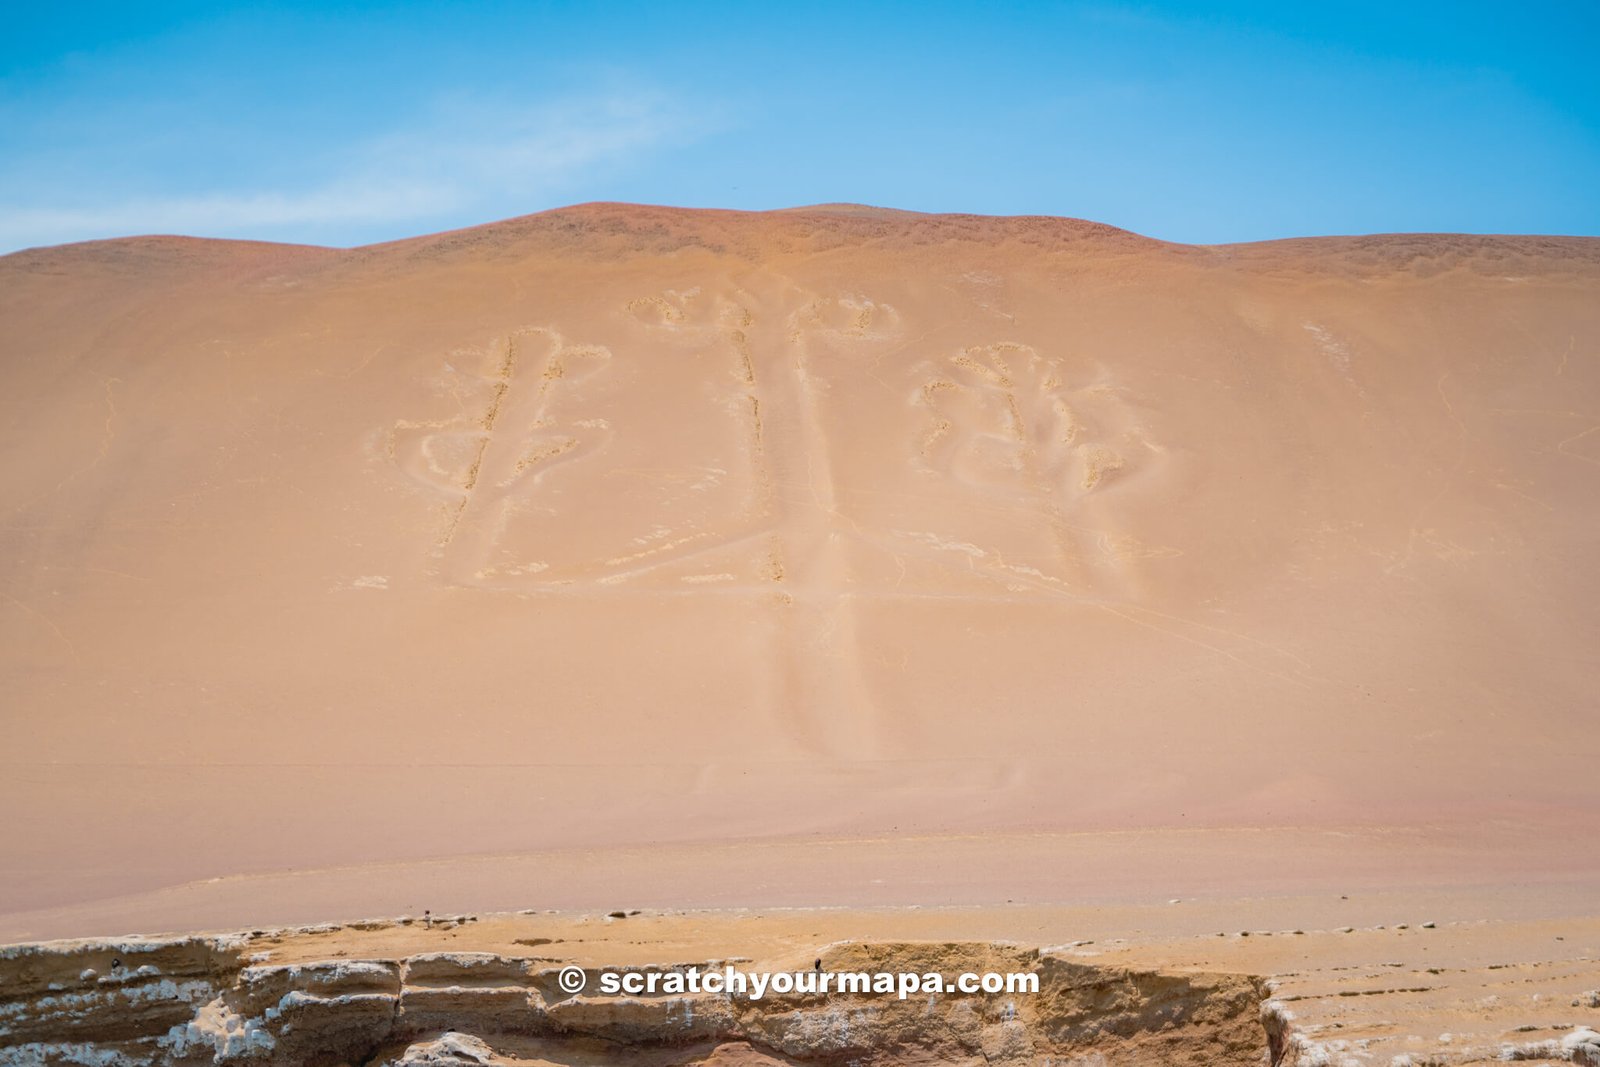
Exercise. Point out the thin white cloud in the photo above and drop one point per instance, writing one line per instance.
(464, 154)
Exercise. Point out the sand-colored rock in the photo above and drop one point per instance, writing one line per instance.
(496, 1008)
(1446, 993)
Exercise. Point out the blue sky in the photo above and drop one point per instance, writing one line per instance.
(349, 123)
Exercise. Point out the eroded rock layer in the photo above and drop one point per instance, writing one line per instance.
(211, 1001)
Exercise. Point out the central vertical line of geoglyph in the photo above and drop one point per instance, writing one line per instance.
(824, 650)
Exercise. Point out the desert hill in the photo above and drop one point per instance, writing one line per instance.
(618, 526)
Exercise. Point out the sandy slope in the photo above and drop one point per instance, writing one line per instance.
(622, 526)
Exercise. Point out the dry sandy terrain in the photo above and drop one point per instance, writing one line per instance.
(623, 556)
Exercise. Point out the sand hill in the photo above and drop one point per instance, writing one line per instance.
(822, 556)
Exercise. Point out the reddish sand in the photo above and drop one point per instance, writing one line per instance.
(573, 554)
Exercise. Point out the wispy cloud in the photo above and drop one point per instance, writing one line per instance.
(466, 153)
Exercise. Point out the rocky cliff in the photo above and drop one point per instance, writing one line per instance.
(218, 1000)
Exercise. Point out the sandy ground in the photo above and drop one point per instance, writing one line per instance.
(634, 557)
(1256, 869)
